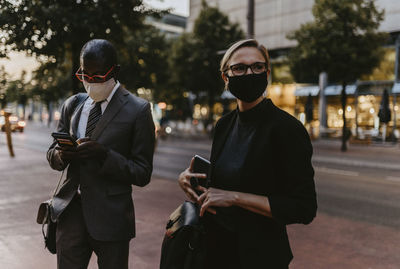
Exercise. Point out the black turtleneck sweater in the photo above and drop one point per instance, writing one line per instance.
(227, 173)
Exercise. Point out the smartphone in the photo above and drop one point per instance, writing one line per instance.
(64, 139)
(200, 166)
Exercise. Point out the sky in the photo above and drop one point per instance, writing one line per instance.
(180, 7)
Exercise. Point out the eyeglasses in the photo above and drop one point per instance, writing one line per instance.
(93, 79)
(241, 69)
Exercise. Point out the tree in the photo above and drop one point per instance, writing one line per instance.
(144, 61)
(18, 91)
(343, 40)
(195, 56)
(54, 31)
(3, 87)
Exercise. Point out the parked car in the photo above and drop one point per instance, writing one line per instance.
(15, 123)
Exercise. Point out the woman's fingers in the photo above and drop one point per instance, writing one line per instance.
(211, 210)
(204, 206)
(191, 165)
(202, 197)
(201, 188)
(197, 175)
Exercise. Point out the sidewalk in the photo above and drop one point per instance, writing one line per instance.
(27, 180)
(383, 156)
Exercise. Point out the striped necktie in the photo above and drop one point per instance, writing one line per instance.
(94, 117)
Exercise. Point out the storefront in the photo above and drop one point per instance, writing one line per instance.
(362, 107)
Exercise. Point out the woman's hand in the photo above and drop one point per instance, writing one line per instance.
(184, 182)
(217, 198)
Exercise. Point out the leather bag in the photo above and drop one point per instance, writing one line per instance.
(183, 246)
(49, 226)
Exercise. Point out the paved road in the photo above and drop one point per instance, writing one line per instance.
(358, 223)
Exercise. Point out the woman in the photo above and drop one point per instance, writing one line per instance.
(261, 176)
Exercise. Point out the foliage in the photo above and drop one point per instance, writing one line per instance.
(195, 56)
(54, 32)
(342, 40)
(3, 87)
(144, 59)
(385, 69)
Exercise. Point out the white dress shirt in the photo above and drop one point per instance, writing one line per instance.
(89, 104)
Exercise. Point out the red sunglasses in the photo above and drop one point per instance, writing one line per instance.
(93, 79)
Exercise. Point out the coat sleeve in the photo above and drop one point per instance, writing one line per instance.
(63, 126)
(296, 202)
(137, 168)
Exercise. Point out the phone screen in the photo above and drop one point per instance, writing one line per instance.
(64, 139)
(202, 166)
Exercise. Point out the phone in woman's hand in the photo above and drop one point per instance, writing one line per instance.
(200, 166)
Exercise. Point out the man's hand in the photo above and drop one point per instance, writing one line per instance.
(67, 154)
(89, 149)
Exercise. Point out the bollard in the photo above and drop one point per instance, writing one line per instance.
(8, 133)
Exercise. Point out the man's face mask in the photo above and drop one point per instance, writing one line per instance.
(98, 87)
(99, 91)
(249, 87)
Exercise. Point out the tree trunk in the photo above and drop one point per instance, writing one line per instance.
(250, 19)
(50, 112)
(344, 130)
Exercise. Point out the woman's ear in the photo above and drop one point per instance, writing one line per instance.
(225, 78)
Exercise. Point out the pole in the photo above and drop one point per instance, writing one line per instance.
(396, 80)
(344, 130)
(396, 67)
(8, 133)
(356, 107)
(250, 19)
(323, 81)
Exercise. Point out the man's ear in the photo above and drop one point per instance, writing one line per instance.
(116, 71)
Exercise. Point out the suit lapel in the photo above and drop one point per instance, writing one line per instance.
(76, 117)
(116, 103)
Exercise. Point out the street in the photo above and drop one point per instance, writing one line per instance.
(357, 226)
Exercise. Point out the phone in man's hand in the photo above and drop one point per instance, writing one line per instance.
(64, 139)
(200, 166)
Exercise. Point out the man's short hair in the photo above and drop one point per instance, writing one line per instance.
(100, 50)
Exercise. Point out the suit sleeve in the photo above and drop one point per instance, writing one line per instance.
(138, 167)
(296, 202)
(63, 126)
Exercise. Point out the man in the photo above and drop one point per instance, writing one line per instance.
(115, 134)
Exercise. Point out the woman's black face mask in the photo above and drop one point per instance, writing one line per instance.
(248, 88)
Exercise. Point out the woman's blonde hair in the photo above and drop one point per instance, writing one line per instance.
(240, 44)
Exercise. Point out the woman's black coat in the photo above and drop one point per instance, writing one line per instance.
(278, 166)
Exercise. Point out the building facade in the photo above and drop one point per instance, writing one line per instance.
(274, 20)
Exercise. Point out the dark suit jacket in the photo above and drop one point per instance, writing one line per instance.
(278, 166)
(127, 130)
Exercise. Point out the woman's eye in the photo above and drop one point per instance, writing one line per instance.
(239, 68)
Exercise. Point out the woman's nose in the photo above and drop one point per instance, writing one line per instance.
(249, 71)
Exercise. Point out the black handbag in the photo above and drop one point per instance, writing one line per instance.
(49, 223)
(49, 226)
(183, 246)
